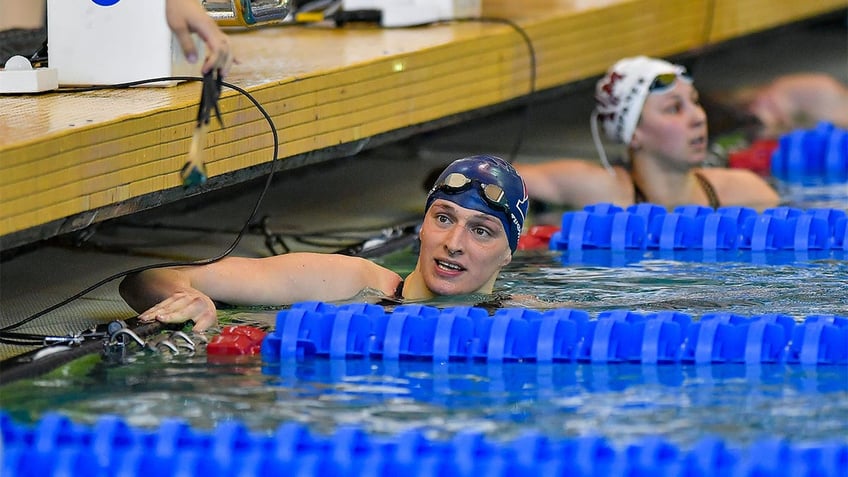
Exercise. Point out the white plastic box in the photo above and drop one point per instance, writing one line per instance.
(399, 13)
(100, 42)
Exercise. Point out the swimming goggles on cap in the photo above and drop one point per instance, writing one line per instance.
(665, 81)
(493, 194)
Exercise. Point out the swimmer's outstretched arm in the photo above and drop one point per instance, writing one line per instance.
(573, 182)
(176, 295)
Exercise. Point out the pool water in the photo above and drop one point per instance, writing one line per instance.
(809, 196)
(735, 282)
(621, 402)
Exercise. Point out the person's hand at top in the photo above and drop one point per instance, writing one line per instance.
(188, 16)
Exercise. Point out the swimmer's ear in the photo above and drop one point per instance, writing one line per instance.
(507, 259)
(635, 141)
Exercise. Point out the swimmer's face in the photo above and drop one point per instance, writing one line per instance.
(673, 127)
(462, 250)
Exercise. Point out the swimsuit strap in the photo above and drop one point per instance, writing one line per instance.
(395, 299)
(399, 291)
(712, 197)
(491, 305)
(638, 195)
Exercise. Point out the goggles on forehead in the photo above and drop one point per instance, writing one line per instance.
(493, 194)
(665, 81)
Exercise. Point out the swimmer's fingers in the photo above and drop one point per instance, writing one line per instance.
(188, 16)
(218, 54)
(181, 307)
(205, 320)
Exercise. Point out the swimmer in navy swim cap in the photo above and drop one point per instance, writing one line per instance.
(474, 215)
(473, 218)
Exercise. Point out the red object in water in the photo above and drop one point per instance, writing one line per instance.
(539, 236)
(237, 340)
(757, 157)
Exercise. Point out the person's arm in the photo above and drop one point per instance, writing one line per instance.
(741, 187)
(175, 295)
(571, 182)
(188, 16)
(811, 98)
(17, 14)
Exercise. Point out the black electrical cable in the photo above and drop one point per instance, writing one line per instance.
(372, 16)
(6, 336)
(21, 339)
(531, 50)
(340, 234)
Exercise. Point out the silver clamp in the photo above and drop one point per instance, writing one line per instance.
(246, 13)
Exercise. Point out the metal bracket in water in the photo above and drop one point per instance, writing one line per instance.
(246, 13)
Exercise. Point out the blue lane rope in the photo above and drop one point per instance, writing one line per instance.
(416, 332)
(111, 447)
(650, 227)
(812, 156)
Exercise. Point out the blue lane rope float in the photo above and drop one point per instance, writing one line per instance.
(650, 227)
(57, 446)
(812, 156)
(418, 332)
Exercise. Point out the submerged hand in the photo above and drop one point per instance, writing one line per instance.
(188, 16)
(184, 306)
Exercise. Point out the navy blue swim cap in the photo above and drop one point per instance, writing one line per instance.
(486, 184)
